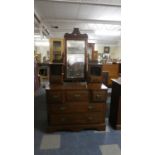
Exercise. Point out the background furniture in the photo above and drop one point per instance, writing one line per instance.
(113, 70)
(115, 106)
(43, 71)
(105, 75)
(56, 49)
(95, 56)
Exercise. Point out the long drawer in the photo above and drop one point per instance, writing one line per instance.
(76, 108)
(77, 96)
(83, 118)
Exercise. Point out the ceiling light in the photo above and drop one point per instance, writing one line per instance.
(107, 33)
(41, 43)
(55, 27)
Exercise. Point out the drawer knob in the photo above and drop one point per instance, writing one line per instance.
(98, 96)
(63, 119)
(90, 118)
(55, 96)
(62, 108)
(77, 95)
(90, 107)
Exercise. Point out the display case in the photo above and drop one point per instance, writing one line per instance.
(56, 49)
(75, 56)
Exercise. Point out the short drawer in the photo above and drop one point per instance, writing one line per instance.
(76, 96)
(54, 97)
(97, 117)
(98, 107)
(99, 96)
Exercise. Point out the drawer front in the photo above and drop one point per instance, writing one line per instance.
(55, 97)
(97, 117)
(76, 96)
(67, 108)
(81, 118)
(98, 107)
(76, 108)
(99, 96)
(95, 78)
(67, 119)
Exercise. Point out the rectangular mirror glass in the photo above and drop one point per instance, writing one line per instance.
(75, 59)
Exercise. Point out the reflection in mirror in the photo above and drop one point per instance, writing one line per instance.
(75, 58)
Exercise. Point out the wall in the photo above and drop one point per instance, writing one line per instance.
(115, 50)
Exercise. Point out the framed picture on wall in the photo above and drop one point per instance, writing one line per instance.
(106, 49)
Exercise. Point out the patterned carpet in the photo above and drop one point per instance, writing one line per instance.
(88, 142)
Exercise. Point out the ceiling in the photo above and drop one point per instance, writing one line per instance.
(100, 19)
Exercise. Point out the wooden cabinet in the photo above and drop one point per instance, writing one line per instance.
(72, 103)
(56, 49)
(71, 107)
(113, 71)
(115, 106)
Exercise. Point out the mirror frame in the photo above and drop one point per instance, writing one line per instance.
(76, 35)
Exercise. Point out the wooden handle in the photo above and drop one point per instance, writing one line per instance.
(90, 107)
(62, 108)
(55, 96)
(90, 118)
(77, 95)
